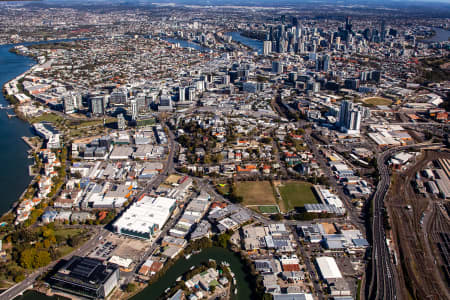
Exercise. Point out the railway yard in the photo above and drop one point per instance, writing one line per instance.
(418, 228)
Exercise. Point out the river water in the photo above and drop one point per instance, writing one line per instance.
(186, 44)
(183, 265)
(441, 35)
(252, 43)
(13, 151)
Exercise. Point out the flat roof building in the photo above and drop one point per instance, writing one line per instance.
(86, 277)
(328, 268)
(145, 217)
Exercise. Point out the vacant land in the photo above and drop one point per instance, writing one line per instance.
(172, 179)
(296, 194)
(374, 101)
(256, 192)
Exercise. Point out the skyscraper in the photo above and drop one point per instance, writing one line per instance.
(349, 117)
(97, 105)
(72, 102)
(181, 94)
(267, 47)
(134, 109)
(121, 125)
(277, 67)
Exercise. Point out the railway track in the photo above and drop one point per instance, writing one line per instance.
(383, 283)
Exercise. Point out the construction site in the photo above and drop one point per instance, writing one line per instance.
(418, 227)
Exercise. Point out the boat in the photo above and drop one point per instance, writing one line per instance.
(192, 268)
(168, 289)
(188, 256)
(178, 279)
(235, 291)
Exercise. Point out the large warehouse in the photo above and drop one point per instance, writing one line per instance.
(145, 217)
(328, 268)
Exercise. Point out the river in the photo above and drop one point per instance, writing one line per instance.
(13, 151)
(186, 44)
(441, 35)
(252, 43)
(183, 265)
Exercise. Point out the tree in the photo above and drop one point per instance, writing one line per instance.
(223, 239)
(277, 217)
(19, 278)
(130, 288)
(42, 259)
(27, 258)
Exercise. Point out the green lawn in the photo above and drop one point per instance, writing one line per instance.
(296, 194)
(66, 233)
(268, 209)
(63, 251)
(53, 118)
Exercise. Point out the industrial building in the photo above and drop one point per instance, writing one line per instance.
(328, 268)
(86, 277)
(145, 217)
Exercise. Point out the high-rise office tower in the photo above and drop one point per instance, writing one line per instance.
(349, 117)
(134, 109)
(121, 124)
(72, 102)
(267, 47)
(191, 94)
(97, 105)
(277, 67)
(181, 94)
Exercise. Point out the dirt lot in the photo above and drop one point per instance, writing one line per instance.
(172, 179)
(256, 192)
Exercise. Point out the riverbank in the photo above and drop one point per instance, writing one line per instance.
(14, 152)
(183, 265)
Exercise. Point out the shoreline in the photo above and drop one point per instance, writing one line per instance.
(14, 205)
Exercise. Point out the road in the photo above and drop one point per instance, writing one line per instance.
(309, 266)
(19, 288)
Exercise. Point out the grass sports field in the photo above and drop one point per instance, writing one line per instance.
(377, 101)
(268, 209)
(296, 194)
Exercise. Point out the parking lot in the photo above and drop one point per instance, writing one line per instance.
(122, 246)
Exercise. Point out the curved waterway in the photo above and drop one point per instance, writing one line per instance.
(183, 265)
(441, 35)
(252, 43)
(186, 44)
